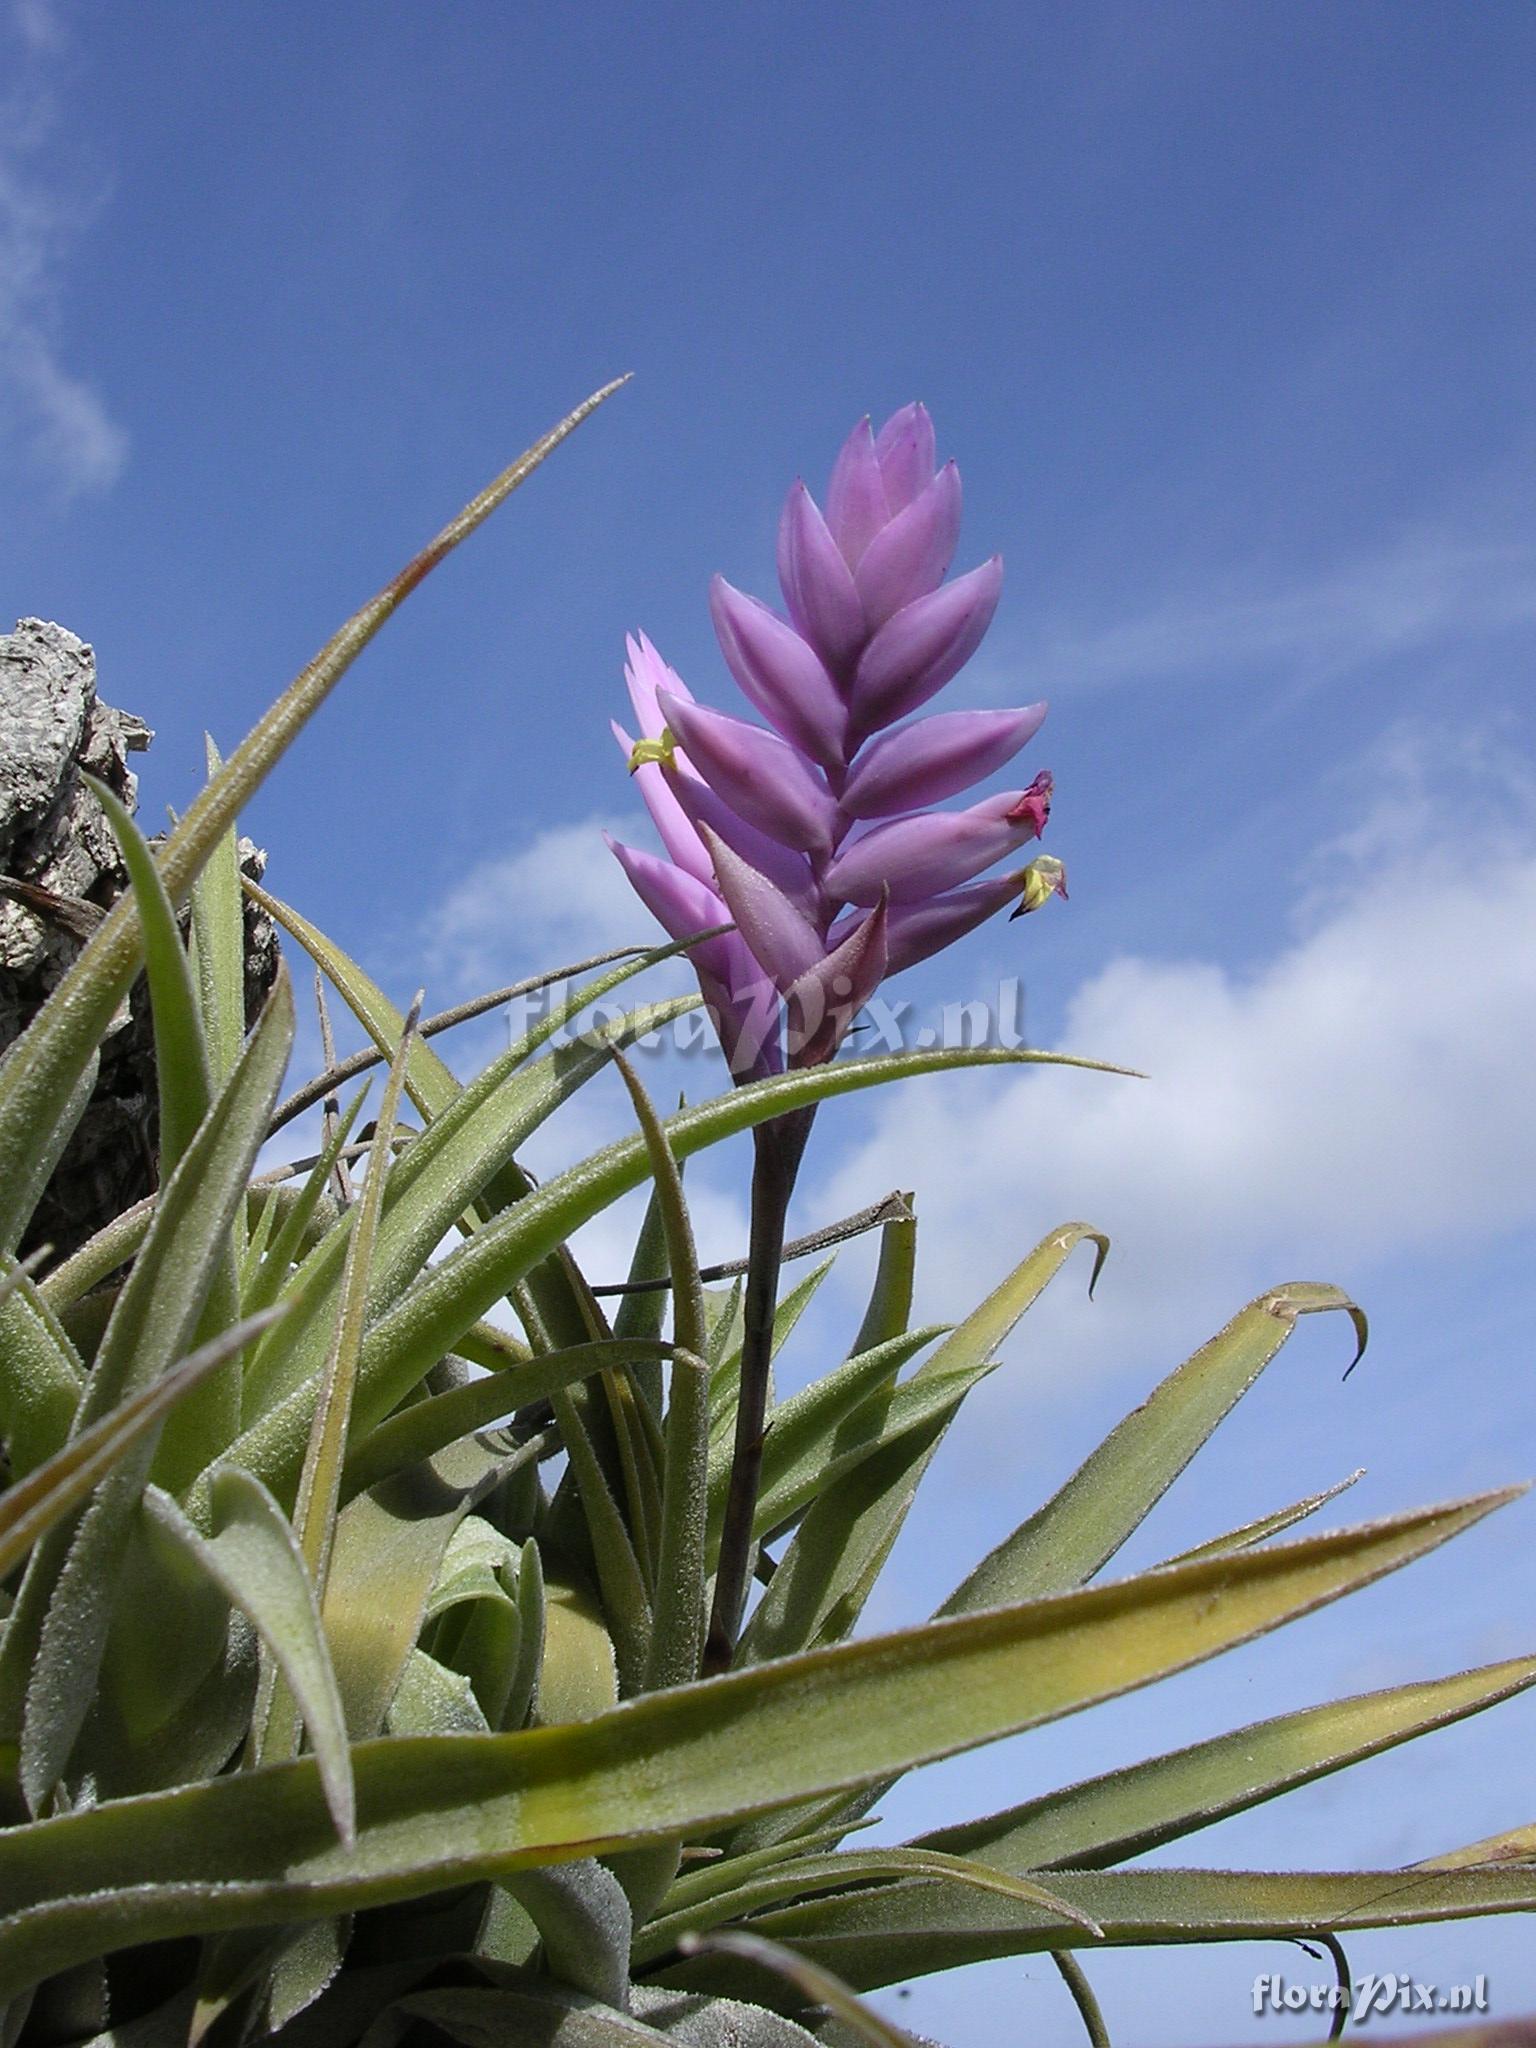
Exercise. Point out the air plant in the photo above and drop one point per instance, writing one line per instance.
(353, 1676)
(811, 841)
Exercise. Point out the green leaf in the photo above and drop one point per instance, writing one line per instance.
(431, 1699)
(99, 1257)
(181, 1054)
(430, 1082)
(320, 1480)
(53, 1645)
(890, 1298)
(725, 1377)
(476, 1556)
(187, 1067)
(642, 1309)
(484, 2017)
(254, 1557)
(434, 1312)
(465, 1151)
(724, 1308)
(389, 1549)
(34, 1168)
(523, 1681)
(425, 1427)
(40, 1498)
(426, 1321)
(41, 1375)
(331, 1078)
(1127, 1812)
(841, 1872)
(435, 1813)
(218, 937)
(479, 1621)
(677, 1634)
(845, 1416)
(294, 1966)
(578, 1679)
(466, 1157)
(817, 1986)
(1273, 1524)
(1081, 1527)
(286, 1245)
(432, 1086)
(14, 1271)
(825, 1576)
(584, 1921)
(1513, 1845)
(626, 1597)
(41, 1075)
(885, 1936)
(720, 1873)
(701, 2022)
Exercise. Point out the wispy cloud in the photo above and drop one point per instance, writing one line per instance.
(58, 422)
(1425, 589)
(559, 897)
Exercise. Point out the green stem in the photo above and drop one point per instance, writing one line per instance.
(779, 1147)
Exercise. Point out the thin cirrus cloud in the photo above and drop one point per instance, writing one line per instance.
(1363, 1092)
(1422, 590)
(53, 418)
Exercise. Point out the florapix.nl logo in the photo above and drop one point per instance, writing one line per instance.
(1371, 1996)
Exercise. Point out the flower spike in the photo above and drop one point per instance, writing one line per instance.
(813, 835)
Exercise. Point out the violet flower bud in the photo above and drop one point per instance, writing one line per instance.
(823, 599)
(911, 554)
(926, 854)
(743, 1000)
(914, 931)
(760, 776)
(933, 758)
(784, 942)
(857, 506)
(783, 676)
(789, 872)
(823, 1003)
(905, 451)
(922, 647)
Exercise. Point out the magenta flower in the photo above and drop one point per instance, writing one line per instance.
(814, 839)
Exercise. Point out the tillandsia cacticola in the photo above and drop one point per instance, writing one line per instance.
(814, 839)
(355, 1590)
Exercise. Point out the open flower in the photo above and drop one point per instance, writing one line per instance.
(812, 835)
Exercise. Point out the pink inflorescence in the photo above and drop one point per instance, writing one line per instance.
(813, 838)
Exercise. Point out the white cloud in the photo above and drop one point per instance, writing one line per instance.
(1428, 586)
(53, 416)
(1365, 1092)
(559, 898)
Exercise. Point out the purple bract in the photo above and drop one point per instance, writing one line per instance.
(813, 838)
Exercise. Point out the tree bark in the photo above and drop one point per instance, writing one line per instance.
(60, 871)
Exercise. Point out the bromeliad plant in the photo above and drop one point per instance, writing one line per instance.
(350, 1681)
(809, 841)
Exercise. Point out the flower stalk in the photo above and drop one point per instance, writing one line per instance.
(778, 1148)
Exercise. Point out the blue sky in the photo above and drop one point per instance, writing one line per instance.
(1225, 310)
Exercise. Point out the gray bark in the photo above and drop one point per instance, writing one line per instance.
(60, 871)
